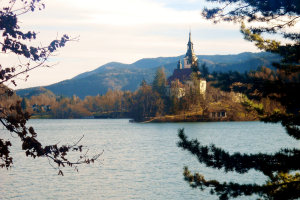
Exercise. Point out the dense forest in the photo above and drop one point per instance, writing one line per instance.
(152, 101)
(119, 76)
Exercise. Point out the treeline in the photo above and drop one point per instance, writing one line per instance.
(51, 106)
(147, 101)
(150, 100)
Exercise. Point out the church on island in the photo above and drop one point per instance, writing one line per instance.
(181, 79)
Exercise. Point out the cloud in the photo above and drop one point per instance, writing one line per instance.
(124, 31)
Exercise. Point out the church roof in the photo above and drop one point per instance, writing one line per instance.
(181, 74)
(184, 74)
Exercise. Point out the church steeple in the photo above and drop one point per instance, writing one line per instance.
(190, 48)
(190, 57)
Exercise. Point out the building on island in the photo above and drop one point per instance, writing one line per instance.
(181, 78)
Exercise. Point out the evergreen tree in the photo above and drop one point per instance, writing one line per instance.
(204, 71)
(282, 167)
(23, 104)
(143, 83)
(195, 67)
(160, 82)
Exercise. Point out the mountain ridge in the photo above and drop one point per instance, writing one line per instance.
(120, 76)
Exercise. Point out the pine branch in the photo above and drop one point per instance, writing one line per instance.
(217, 158)
(286, 189)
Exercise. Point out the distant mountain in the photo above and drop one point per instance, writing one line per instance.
(121, 76)
(36, 91)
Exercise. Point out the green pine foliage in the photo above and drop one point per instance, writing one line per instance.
(23, 104)
(160, 82)
(281, 168)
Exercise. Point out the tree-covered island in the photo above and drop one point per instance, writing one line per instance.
(191, 93)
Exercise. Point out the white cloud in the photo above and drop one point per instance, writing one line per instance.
(123, 31)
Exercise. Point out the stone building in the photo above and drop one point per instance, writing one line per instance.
(181, 78)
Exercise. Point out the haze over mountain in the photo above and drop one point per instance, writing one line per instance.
(119, 76)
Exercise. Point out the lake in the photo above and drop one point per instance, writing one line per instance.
(140, 161)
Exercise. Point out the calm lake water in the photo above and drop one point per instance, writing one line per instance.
(140, 161)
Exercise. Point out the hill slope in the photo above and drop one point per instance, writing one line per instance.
(121, 76)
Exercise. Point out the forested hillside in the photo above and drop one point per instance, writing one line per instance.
(118, 76)
(153, 102)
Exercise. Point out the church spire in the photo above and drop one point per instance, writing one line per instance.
(190, 57)
(190, 48)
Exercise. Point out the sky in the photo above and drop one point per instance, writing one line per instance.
(122, 31)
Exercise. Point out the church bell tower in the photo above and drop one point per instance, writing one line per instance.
(190, 59)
